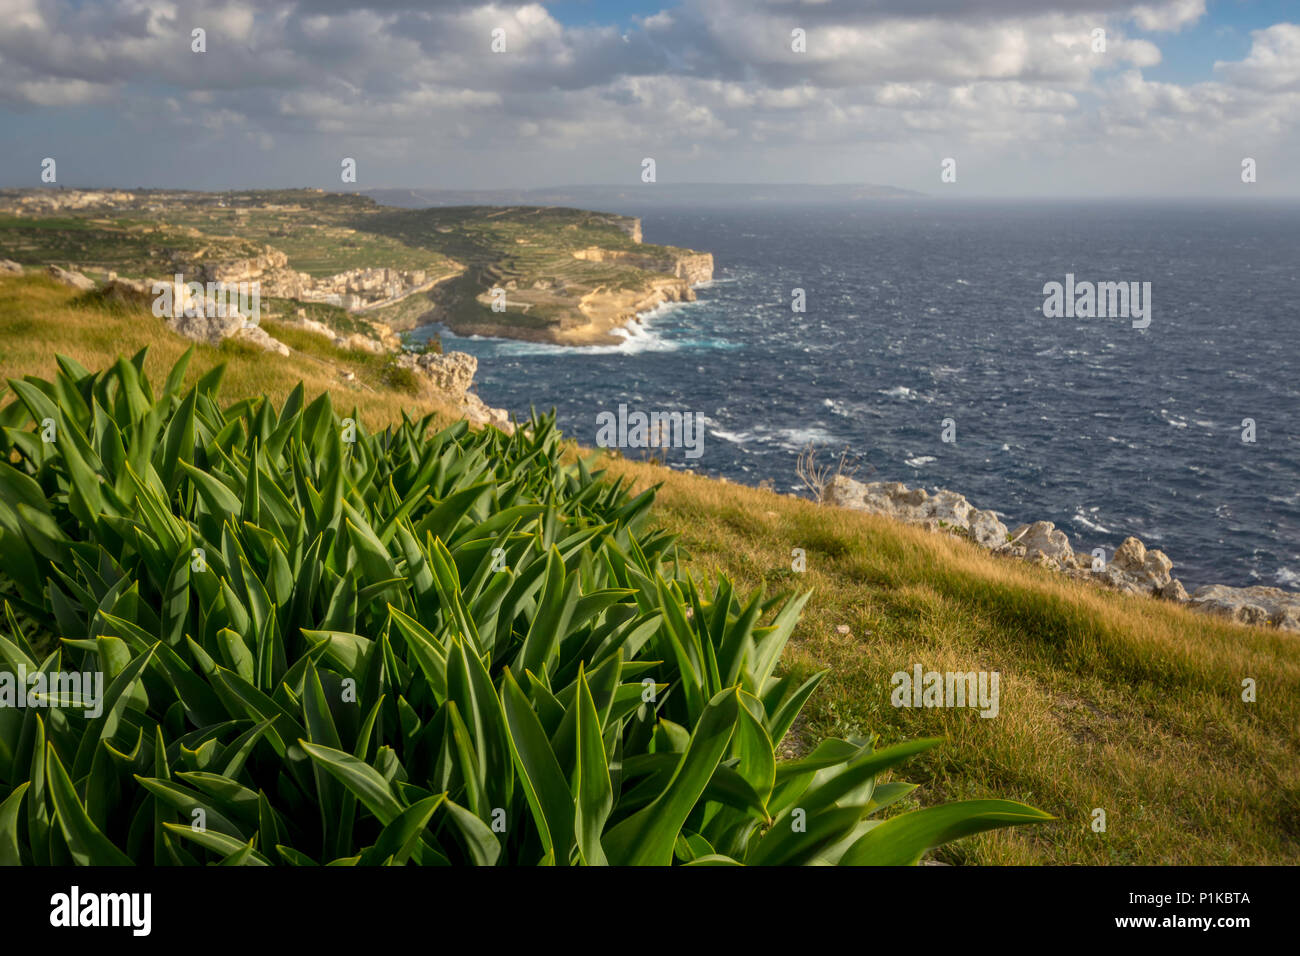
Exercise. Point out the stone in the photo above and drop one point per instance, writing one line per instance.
(9, 267)
(480, 413)
(74, 279)
(1173, 591)
(211, 328)
(1252, 605)
(208, 329)
(944, 510)
(1149, 570)
(360, 343)
(319, 328)
(1042, 538)
(450, 372)
(256, 335)
(126, 292)
(1133, 569)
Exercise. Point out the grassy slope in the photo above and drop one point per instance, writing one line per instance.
(1126, 704)
(40, 319)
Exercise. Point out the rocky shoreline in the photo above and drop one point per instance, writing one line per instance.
(1132, 569)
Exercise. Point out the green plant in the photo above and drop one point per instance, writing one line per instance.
(399, 377)
(323, 645)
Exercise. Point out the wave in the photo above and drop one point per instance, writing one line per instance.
(1090, 525)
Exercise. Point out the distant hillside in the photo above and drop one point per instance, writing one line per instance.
(632, 198)
(560, 275)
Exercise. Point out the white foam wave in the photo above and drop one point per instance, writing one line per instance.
(1091, 525)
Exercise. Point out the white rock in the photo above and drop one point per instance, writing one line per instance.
(944, 510)
(1252, 605)
(1044, 545)
(450, 372)
(70, 278)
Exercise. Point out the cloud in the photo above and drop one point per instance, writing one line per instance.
(708, 81)
(1273, 62)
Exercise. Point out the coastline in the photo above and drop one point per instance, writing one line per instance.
(1131, 569)
(600, 314)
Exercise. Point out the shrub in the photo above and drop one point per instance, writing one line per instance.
(400, 378)
(322, 645)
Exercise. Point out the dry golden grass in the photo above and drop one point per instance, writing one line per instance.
(40, 319)
(1107, 701)
(1120, 703)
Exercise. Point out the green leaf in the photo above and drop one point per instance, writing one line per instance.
(401, 837)
(903, 840)
(367, 783)
(544, 785)
(9, 845)
(89, 847)
(593, 793)
(647, 837)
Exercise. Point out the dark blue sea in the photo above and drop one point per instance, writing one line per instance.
(921, 310)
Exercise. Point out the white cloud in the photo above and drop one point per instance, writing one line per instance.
(702, 82)
(1273, 62)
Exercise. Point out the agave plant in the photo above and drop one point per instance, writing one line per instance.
(324, 645)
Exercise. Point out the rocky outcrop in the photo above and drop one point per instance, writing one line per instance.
(55, 200)
(256, 335)
(480, 413)
(211, 327)
(1132, 569)
(452, 373)
(354, 290)
(1043, 545)
(1252, 605)
(944, 510)
(70, 278)
(233, 271)
(695, 267)
(10, 268)
(1147, 570)
(211, 322)
(380, 339)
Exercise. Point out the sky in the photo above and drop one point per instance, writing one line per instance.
(1020, 94)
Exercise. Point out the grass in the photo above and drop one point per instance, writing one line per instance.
(1120, 703)
(40, 319)
(1107, 701)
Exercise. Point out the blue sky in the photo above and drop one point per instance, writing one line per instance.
(1223, 34)
(883, 91)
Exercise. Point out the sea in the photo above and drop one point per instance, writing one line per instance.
(923, 354)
